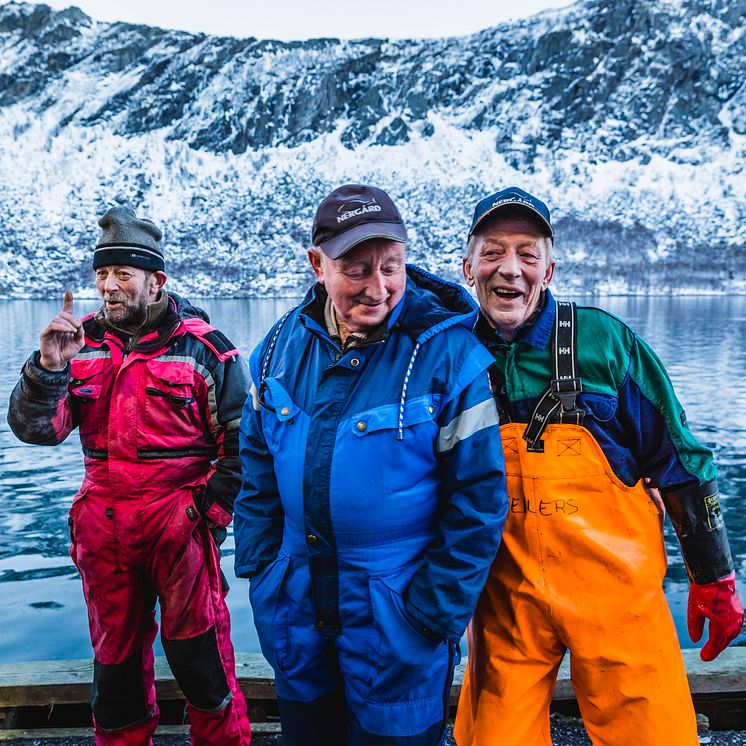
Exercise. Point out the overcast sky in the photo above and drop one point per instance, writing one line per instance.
(304, 19)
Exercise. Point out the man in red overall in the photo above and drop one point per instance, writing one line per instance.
(157, 394)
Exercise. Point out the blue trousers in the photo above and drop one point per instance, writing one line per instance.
(394, 680)
(328, 721)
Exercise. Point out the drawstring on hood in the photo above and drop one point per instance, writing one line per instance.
(271, 347)
(403, 398)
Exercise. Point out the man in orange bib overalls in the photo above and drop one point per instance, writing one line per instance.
(588, 414)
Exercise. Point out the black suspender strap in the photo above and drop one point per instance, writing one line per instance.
(566, 384)
(560, 399)
(499, 394)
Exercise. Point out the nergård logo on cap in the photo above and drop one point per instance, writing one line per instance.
(369, 206)
(513, 200)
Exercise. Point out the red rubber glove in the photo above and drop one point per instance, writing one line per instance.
(719, 603)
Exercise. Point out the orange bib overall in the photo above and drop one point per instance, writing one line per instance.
(581, 568)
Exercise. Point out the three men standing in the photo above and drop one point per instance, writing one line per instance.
(373, 496)
(587, 412)
(157, 394)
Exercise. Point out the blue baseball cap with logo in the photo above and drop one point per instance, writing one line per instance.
(353, 213)
(517, 200)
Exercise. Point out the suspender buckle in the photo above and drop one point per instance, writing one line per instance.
(566, 390)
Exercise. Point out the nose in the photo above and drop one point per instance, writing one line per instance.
(375, 288)
(510, 266)
(110, 284)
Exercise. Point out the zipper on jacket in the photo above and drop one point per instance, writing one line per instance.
(179, 401)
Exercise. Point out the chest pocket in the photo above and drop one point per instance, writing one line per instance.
(598, 407)
(86, 379)
(403, 462)
(86, 389)
(173, 383)
(387, 417)
(279, 411)
(170, 395)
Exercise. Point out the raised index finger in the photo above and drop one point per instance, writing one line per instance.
(67, 301)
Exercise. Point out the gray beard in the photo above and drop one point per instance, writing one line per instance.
(128, 318)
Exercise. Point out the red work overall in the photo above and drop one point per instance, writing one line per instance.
(146, 425)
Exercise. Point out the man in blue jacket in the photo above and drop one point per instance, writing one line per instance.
(374, 495)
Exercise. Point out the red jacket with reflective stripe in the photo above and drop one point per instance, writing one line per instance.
(155, 417)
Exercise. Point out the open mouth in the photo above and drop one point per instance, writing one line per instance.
(507, 293)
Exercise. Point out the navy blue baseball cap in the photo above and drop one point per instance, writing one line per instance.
(353, 213)
(515, 199)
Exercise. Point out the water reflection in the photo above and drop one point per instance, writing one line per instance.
(702, 342)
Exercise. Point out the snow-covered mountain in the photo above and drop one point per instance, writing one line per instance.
(627, 117)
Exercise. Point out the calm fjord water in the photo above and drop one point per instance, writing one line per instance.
(701, 340)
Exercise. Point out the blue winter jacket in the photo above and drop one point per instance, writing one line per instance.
(384, 456)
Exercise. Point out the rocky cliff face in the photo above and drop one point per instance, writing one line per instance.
(628, 118)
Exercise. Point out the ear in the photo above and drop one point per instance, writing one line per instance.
(156, 282)
(468, 274)
(548, 275)
(317, 264)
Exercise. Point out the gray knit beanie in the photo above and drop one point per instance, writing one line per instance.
(128, 241)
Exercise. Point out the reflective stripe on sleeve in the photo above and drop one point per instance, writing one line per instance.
(255, 397)
(470, 421)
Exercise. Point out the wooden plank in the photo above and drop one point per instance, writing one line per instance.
(43, 683)
(257, 729)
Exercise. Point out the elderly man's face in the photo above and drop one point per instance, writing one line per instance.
(509, 267)
(365, 284)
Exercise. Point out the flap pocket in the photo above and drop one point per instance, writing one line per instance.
(171, 381)
(416, 411)
(274, 397)
(600, 406)
(86, 388)
(170, 373)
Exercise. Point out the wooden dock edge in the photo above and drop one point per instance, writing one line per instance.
(68, 682)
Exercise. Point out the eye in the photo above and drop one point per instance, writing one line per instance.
(390, 269)
(355, 271)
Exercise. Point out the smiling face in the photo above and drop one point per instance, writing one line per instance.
(364, 285)
(509, 263)
(126, 292)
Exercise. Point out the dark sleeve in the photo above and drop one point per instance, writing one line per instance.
(40, 410)
(443, 592)
(231, 386)
(696, 518)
